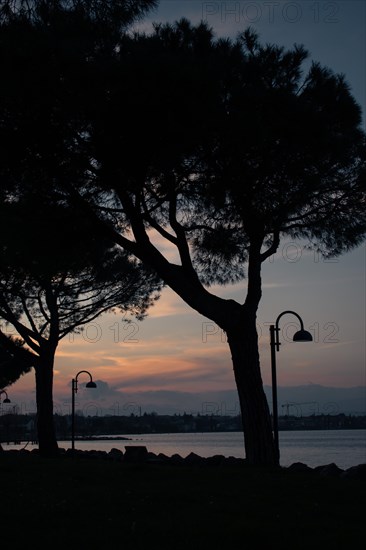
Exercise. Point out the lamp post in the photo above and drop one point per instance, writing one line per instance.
(74, 389)
(6, 400)
(301, 335)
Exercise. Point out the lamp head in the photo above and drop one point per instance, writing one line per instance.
(302, 336)
(6, 400)
(91, 384)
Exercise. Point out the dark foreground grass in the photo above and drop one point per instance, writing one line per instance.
(81, 503)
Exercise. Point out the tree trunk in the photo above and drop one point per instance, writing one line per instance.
(44, 383)
(239, 323)
(256, 419)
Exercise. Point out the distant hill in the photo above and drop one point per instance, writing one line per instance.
(316, 399)
(295, 400)
(302, 400)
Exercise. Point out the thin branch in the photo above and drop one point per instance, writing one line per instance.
(28, 315)
(163, 232)
(28, 336)
(159, 201)
(41, 307)
(182, 243)
(273, 248)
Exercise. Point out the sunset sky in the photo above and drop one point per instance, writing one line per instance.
(175, 354)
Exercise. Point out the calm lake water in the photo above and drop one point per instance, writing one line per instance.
(345, 448)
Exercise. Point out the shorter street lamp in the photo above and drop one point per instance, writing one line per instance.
(6, 400)
(301, 335)
(74, 389)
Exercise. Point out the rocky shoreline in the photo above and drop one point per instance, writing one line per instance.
(140, 455)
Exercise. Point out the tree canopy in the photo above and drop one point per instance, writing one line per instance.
(249, 147)
(57, 275)
(115, 13)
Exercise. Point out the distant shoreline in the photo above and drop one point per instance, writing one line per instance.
(98, 438)
(124, 438)
(20, 440)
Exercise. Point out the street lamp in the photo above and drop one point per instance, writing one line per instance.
(74, 389)
(6, 400)
(301, 335)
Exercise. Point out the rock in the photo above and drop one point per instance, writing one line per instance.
(176, 459)
(299, 467)
(135, 453)
(216, 460)
(355, 472)
(329, 470)
(194, 459)
(234, 461)
(163, 458)
(152, 457)
(94, 454)
(115, 454)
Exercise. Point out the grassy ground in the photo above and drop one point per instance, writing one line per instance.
(81, 503)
